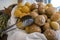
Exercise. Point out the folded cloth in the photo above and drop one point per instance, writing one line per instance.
(21, 35)
(17, 35)
(58, 34)
(36, 36)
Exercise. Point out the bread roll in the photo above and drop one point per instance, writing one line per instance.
(34, 14)
(50, 34)
(50, 11)
(55, 25)
(46, 26)
(32, 28)
(40, 20)
(55, 17)
(41, 8)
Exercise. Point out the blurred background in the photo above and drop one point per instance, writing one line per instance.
(6, 3)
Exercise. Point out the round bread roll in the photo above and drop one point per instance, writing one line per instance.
(33, 6)
(55, 25)
(27, 4)
(40, 20)
(32, 28)
(49, 5)
(17, 13)
(50, 11)
(41, 8)
(25, 9)
(55, 17)
(46, 26)
(50, 34)
(34, 14)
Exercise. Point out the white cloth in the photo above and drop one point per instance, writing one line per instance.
(55, 3)
(17, 35)
(6, 3)
(58, 34)
(36, 36)
(21, 35)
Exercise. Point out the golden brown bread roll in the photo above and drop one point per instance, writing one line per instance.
(34, 14)
(17, 13)
(32, 28)
(50, 11)
(25, 9)
(55, 25)
(50, 34)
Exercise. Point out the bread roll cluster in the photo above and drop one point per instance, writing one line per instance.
(46, 18)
